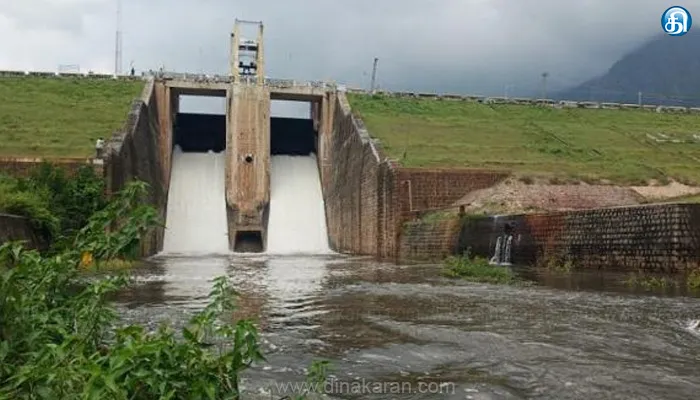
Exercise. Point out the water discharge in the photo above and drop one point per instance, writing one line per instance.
(380, 322)
(297, 221)
(196, 213)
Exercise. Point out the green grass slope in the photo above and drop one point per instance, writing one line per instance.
(586, 144)
(47, 117)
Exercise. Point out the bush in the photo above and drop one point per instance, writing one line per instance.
(33, 206)
(56, 204)
(56, 338)
(478, 270)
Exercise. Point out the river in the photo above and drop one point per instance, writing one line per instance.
(399, 331)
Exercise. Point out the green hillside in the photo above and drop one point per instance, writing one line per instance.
(51, 117)
(586, 144)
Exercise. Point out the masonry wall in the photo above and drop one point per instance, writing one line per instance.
(430, 240)
(15, 228)
(658, 238)
(135, 152)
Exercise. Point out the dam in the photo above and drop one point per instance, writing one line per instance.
(267, 183)
(219, 169)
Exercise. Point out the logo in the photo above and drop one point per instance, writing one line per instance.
(676, 21)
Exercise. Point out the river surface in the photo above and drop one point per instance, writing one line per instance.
(393, 331)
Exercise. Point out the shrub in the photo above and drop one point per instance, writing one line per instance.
(56, 204)
(57, 339)
(478, 270)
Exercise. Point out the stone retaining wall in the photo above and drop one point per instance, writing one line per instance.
(430, 240)
(15, 228)
(654, 238)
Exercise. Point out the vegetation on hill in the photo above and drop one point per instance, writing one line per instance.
(581, 144)
(52, 117)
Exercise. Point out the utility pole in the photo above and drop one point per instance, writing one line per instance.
(639, 98)
(374, 75)
(118, 41)
(544, 85)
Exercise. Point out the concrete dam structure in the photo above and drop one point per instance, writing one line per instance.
(246, 134)
(370, 203)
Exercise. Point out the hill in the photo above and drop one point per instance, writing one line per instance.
(61, 117)
(665, 70)
(563, 144)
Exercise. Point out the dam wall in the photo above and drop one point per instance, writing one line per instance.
(369, 197)
(142, 150)
(662, 238)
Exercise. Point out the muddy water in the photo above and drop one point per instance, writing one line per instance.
(404, 332)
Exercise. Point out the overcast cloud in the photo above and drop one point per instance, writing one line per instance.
(476, 46)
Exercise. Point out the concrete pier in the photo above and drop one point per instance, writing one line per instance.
(248, 165)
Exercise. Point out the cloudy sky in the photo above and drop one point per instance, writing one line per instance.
(474, 46)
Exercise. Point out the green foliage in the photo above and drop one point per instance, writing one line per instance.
(57, 339)
(34, 207)
(116, 230)
(581, 144)
(693, 279)
(649, 282)
(57, 204)
(316, 377)
(558, 263)
(478, 269)
(61, 117)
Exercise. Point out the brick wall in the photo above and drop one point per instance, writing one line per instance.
(429, 240)
(23, 166)
(659, 238)
(135, 152)
(426, 189)
(368, 197)
(14, 228)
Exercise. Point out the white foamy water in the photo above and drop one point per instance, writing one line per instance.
(196, 216)
(297, 220)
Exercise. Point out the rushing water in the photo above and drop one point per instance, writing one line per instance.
(386, 323)
(297, 222)
(395, 331)
(196, 213)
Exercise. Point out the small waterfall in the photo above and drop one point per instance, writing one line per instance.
(496, 259)
(504, 244)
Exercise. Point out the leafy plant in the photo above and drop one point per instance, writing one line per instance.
(57, 329)
(693, 280)
(58, 205)
(478, 269)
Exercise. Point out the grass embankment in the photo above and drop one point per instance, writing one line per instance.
(585, 144)
(51, 117)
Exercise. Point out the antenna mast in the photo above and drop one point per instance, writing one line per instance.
(118, 41)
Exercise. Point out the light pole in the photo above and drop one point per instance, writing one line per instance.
(374, 75)
(118, 41)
